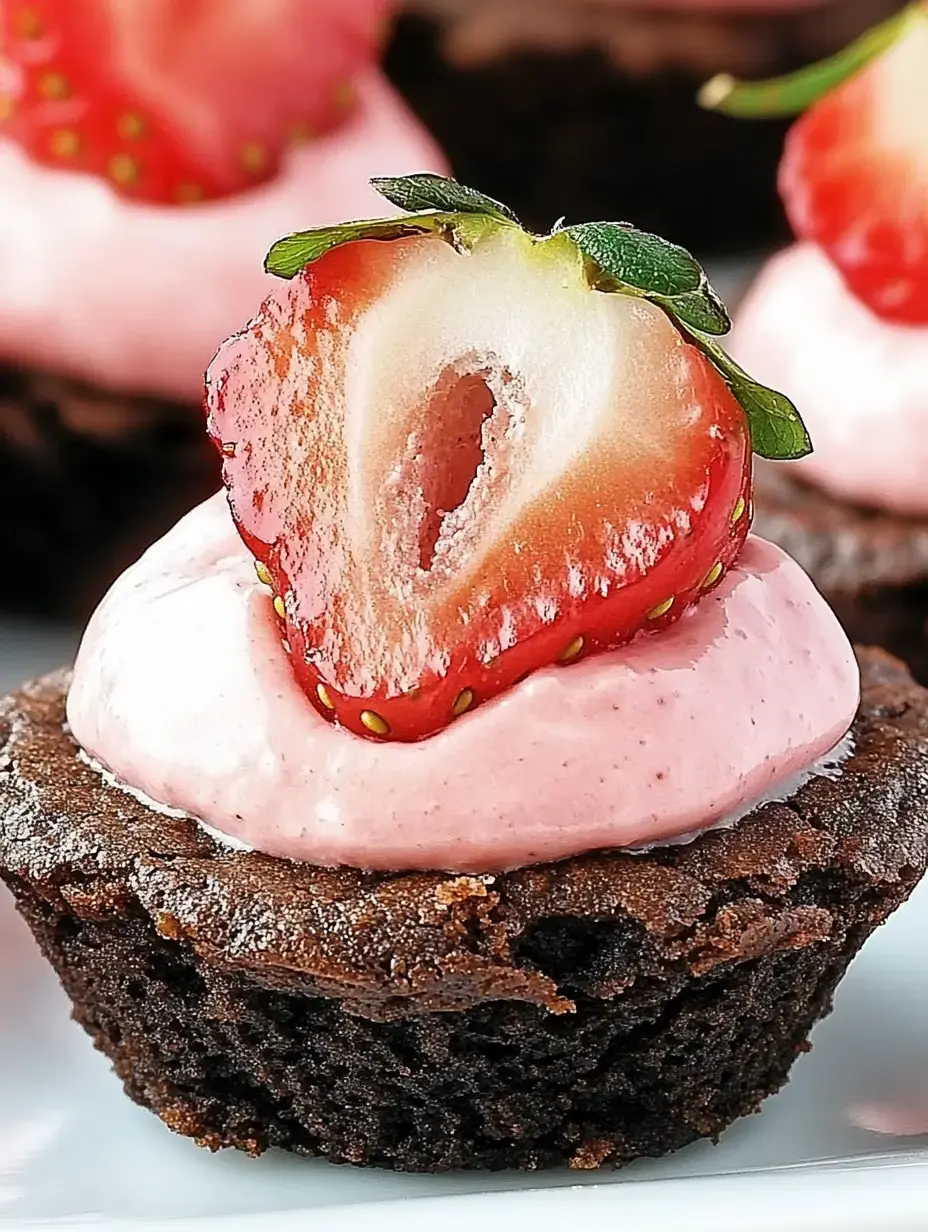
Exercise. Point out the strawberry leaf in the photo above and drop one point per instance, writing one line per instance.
(294, 252)
(427, 191)
(701, 309)
(637, 258)
(777, 430)
(625, 258)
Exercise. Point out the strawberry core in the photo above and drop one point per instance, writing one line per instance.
(453, 450)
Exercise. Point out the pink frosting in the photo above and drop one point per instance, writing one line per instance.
(183, 691)
(137, 298)
(860, 383)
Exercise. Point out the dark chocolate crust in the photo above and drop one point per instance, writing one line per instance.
(871, 566)
(587, 1012)
(89, 479)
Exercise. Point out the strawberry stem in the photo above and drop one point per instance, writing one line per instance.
(793, 93)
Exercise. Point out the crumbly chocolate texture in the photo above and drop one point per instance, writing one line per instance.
(89, 479)
(587, 1012)
(871, 566)
(595, 133)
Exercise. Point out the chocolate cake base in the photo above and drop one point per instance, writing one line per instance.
(871, 566)
(587, 1012)
(88, 480)
(586, 134)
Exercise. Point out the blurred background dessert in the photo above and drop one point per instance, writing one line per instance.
(590, 104)
(150, 153)
(839, 323)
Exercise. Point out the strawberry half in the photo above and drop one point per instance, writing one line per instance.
(854, 174)
(458, 462)
(176, 101)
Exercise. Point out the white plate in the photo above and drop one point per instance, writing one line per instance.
(73, 1148)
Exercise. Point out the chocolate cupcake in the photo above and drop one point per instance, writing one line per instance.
(584, 1013)
(131, 243)
(468, 789)
(588, 107)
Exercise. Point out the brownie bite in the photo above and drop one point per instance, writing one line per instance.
(589, 1012)
(589, 109)
(480, 598)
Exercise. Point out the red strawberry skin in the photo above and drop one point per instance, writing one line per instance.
(854, 179)
(177, 101)
(339, 508)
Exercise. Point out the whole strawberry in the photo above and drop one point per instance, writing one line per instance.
(176, 101)
(854, 174)
(461, 452)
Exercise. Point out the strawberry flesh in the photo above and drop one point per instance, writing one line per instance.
(456, 469)
(854, 179)
(176, 101)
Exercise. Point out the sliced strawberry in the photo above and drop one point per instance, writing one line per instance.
(455, 468)
(854, 177)
(176, 101)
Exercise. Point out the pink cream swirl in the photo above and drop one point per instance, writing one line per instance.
(861, 383)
